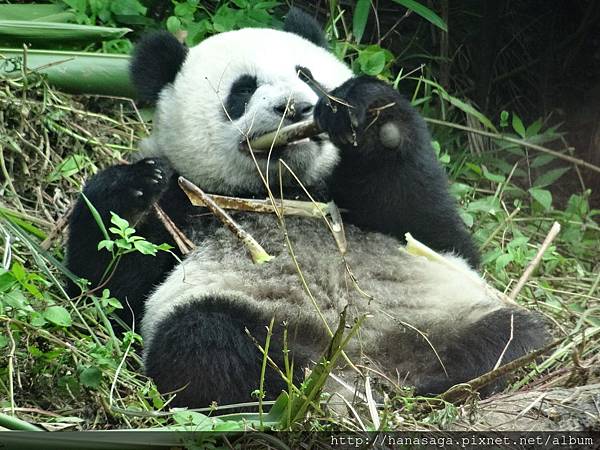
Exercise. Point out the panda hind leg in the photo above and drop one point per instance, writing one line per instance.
(475, 349)
(202, 352)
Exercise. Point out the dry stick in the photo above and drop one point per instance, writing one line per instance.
(182, 241)
(285, 135)
(536, 261)
(258, 254)
(539, 148)
(460, 392)
(57, 229)
(290, 207)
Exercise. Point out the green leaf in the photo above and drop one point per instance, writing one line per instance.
(3, 341)
(199, 421)
(504, 119)
(90, 377)
(16, 300)
(128, 8)
(359, 18)
(542, 196)
(534, 128)
(58, 316)
(96, 216)
(549, 177)
(502, 261)
(173, 24)
(121, 223)
(466, 218)
(107, 244)
(41, 12)
(371, 62)
(69, 167)
(517, 125)
(493, 177)
(541, 160)
(145, 247)
(464, 107)
(424, 12)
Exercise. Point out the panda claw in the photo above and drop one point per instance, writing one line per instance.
(138, 193)
(150, 161)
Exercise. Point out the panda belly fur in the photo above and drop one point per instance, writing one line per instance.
(407, 293)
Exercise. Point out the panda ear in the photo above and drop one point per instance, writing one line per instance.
(300, 23)
(156, 60)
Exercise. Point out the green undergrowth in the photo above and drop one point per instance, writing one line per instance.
(62, 366)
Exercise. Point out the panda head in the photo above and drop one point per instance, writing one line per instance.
(234, 86)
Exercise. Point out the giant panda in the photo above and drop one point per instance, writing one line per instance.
(428, 325)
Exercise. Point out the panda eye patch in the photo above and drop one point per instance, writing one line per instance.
(239, 95)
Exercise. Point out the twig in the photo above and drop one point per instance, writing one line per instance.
(183, 243)
(536, 261)
(11, 369)
(258, 254)
(290, 207)
(539, 148)
(285, 135)
(460, 392)
(57, 229)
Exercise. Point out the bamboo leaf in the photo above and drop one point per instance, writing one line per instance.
(359, 18)
(424, 12)
(44, 12)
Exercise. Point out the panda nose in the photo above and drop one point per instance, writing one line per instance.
(295, 111)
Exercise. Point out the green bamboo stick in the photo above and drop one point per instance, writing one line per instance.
(74, 72)
(17, 32)
(14, 423)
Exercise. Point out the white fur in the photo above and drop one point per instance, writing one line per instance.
(408, 292)
(191, 130)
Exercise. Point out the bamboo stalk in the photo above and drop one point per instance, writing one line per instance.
(74, 72)
(285, 135)
(258, 254)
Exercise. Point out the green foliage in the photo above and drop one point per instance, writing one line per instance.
(127, 241)
(424, 12)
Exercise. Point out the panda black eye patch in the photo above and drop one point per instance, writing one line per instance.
(240, 94)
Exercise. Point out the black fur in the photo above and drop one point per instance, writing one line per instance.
(157, 59)
(239, 96)
(118, 189)
(476, 350)
(212, 355)
(396, 190)
(300, 23)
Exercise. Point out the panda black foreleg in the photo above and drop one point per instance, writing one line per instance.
(388, 178)
(129, 191)
(201, 351)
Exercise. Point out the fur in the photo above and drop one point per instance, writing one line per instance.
(374, 160)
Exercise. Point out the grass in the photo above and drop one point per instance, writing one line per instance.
(61, 366)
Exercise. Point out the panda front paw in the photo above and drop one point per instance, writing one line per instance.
(146, 180)
(362, 113)
(129, 190)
